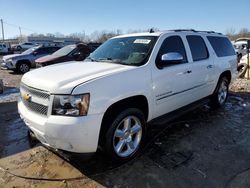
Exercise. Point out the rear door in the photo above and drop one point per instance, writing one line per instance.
(202, 65)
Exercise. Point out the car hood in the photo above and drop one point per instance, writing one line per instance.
(47, 58)
(63, 78)
(11, 56)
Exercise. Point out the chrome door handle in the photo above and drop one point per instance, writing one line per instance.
(209, 66)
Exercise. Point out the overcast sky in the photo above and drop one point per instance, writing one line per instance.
(50, 16)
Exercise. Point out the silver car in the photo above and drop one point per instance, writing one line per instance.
(22, 63)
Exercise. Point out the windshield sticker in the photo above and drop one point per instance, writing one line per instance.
(142, 41)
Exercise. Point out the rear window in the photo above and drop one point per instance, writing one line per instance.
(198, 47)
(222, 46)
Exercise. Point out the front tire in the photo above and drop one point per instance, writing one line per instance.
(125, 135)
(23, 68)
(218, 99)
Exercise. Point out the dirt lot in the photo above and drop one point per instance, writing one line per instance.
(204, 148)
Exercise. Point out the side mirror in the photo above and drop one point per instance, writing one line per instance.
(171, 58)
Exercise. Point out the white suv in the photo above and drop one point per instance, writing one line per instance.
(129, 81)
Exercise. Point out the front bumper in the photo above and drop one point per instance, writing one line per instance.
(7, 65)
(73, 134)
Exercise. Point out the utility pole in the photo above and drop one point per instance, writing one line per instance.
(2, 29)
(20, 34)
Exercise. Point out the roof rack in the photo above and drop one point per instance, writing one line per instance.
(193, 30)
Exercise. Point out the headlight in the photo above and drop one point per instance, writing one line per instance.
(71, 105)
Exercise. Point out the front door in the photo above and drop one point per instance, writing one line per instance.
(172, 83)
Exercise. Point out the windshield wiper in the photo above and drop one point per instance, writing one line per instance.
(105, 59)
(92, 59)
(116, 61)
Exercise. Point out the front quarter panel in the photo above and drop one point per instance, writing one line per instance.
(107, 90)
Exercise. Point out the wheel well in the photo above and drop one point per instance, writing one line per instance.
(23, 61)
(227, 74)
(138, 101)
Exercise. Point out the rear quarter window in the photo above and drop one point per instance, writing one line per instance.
(222, 46)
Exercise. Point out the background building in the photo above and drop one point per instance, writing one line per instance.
(50, 40)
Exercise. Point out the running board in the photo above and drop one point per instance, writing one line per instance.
(166, 118)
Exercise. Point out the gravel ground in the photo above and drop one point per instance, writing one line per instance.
(204, 148)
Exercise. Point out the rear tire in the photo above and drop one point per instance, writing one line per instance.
(125, 135)
(219, 97)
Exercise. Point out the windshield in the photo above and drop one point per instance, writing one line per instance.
(65, 50)
(29, 51)
(128, 50)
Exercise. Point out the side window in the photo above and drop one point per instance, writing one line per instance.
(50, 50)
(172, 44)
(41, 51)
(222, 46)
(198, 47)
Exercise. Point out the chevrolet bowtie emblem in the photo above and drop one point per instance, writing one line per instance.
(27, 97)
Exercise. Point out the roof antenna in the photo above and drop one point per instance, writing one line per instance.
(151, 30)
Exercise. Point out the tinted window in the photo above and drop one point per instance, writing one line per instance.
(222, 46)
(51, 50)
(65, 50)
(172, 44)
(43, 51)
(198, 47)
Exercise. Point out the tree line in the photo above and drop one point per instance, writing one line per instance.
(242, 33)
(96, 36)
(102, 36)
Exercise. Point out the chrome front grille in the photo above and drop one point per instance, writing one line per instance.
(37, 108)
(34, 99)
(35, 92)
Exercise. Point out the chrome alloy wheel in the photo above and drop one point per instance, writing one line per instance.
(127, 136)
(24, 67)
(222, 92)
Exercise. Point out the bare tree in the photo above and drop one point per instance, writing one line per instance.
(233, 35)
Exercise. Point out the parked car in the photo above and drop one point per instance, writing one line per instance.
(126, 83)
(74, 52)
(24, 46)
(240, 46)
(23, 62)
(3, 48)
(243, 66)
